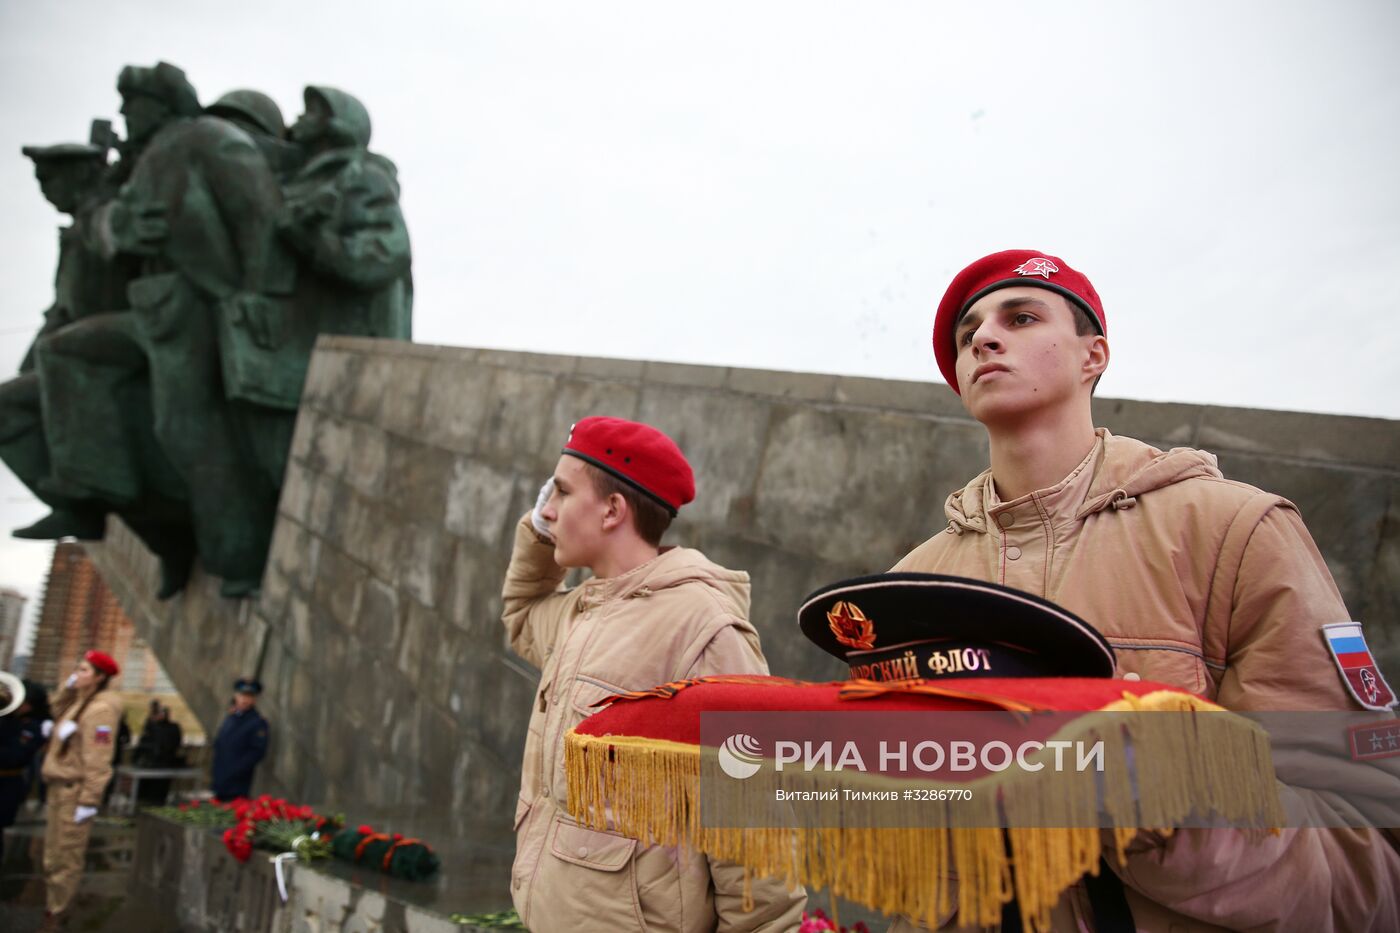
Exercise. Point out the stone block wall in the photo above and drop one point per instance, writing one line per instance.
(377, 633)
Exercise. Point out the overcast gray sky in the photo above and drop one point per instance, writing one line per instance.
(791, 185)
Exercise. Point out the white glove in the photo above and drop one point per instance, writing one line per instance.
(82, 814)
(542, 526)
(65, 729)
(46, 727)
(72, 679)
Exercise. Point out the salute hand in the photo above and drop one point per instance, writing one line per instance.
(536, 519)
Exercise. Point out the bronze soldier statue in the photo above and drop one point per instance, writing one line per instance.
(85, 283)
(342, 228)
(173, 405)
(198, 210)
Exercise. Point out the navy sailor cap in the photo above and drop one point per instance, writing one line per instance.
(906, 626)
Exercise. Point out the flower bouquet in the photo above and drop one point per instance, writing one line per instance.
(264, 822)
(273, 823)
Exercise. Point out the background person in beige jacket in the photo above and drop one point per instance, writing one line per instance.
(77, 767)
(1195, 580)
(648, 616)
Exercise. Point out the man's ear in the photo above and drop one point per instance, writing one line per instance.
(615, 513)
(1095, 357)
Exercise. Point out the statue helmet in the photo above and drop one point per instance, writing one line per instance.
(349, 123)
(165, 83)
(254, 106)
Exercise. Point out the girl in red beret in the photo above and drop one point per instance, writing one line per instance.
(77, 767)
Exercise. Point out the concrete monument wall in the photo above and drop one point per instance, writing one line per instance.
(377, 629)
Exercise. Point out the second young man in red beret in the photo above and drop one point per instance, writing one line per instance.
(648, 616)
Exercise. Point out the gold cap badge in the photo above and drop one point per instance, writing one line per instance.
(850, 626)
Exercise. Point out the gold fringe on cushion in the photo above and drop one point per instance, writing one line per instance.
(649, 789)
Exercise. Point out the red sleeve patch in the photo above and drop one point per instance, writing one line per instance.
(103, 736)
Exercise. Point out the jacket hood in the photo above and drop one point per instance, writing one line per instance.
(1123, 469)
(673, 567)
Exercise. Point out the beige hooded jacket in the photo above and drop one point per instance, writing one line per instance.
(86, 758)
(1216, 587)
(675, 617)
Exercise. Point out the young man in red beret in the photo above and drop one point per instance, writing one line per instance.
(649, 615)
(1195, 580)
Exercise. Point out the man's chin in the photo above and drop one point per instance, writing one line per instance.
(1003, 408)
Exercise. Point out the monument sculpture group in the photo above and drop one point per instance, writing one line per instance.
(198, 270)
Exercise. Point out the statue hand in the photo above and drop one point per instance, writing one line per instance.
(258, 316)
(138, 226)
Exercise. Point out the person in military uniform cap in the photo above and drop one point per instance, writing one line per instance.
(240, 743)
(922, 626)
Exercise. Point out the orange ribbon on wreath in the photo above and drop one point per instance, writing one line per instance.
(372, 837)
(388, 856)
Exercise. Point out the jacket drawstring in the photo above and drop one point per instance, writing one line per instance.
(1121, 500)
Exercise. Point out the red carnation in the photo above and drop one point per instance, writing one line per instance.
(365, 830)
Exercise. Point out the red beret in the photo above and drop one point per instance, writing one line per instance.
(637, 454)
(1004, 270)
(103, 662)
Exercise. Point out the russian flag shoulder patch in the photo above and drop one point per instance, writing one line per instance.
(1358, 668)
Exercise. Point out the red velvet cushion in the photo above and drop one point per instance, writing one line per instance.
(677, 718)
